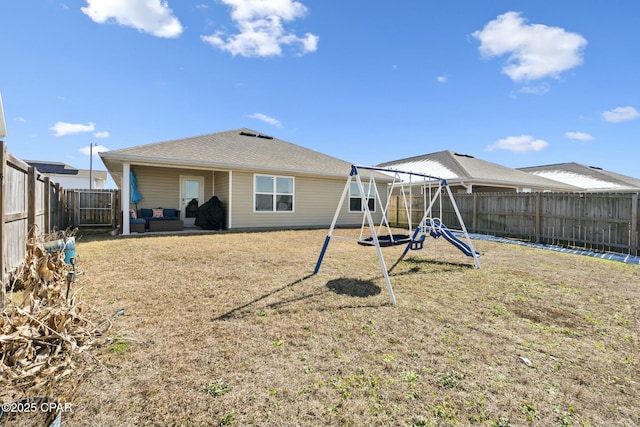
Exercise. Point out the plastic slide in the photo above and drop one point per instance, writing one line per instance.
(442, 230)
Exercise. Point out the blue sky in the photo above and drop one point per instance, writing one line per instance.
(519, 83)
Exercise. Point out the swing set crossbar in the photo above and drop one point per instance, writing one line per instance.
(389, 170)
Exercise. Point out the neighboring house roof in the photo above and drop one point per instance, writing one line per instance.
(588, 178)
(465, 169)
(52, 167)
(240, 149)
(70, 177)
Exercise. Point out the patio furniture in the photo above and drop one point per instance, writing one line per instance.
(162, 219)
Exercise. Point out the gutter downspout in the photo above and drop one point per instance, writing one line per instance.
(468, 187)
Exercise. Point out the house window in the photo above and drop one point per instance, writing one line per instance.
(273, 193)
(355, 198)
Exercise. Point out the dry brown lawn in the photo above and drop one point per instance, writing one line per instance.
(229, 329)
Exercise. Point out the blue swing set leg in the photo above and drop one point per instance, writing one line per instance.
(322, 252)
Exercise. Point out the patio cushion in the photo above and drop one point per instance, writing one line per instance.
(170, 213)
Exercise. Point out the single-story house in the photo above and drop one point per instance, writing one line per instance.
(587, 178)
(69, 177)
(467, 174)
(262, 181)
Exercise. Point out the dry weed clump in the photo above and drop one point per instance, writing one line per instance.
(45, 336)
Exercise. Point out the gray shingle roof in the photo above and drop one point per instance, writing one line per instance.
(461, 167)
(53, 167)
(234, 149)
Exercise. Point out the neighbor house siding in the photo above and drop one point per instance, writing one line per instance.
(315, 203)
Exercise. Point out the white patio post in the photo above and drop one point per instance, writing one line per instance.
(125, 191)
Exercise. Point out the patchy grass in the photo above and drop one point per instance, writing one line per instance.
(231, 329)
(119, 345)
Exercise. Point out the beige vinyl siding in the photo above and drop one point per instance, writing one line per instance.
(221, 186)
(315, 203)
(221, 189)
(208, 185)
(160, 187)
(347, 218)
(315, 198)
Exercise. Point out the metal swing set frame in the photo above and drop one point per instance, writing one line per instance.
(413, 241)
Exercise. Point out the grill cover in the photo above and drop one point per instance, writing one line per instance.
(211, 215)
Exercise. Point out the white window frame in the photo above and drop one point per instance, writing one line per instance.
(274, 193)
(369, 187)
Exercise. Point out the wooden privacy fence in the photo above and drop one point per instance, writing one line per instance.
(29, 199)
(594, 221)
(92, 208)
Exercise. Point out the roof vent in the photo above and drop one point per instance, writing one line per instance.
(265, 136)
(463, 155)
(596, 167)
(243, 133)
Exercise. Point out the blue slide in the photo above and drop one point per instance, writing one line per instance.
(442, 230)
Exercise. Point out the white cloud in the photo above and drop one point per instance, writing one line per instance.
(247, 10)
(580, 136)
(261, 32)
(266, 119)
(621, 114)
(150, 16)
(441, 79)
(539, 89)
(101, 135)
(21, 119)
(519, 144)
(535, 51)
(96, 149)
(62, 128)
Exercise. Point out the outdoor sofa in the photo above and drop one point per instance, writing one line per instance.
(157, 219)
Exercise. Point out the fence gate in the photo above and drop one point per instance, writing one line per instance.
(91, 208)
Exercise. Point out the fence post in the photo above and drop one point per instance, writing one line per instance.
(397, 217)
(31, 198)
(538, 218)
(474, 214)
(47, 205)
(3, 160)
(634, 225)
(59, 207)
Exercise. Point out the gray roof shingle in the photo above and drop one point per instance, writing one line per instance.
(460, 167)
(585, 177)
(234, 149)
(53, 167)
